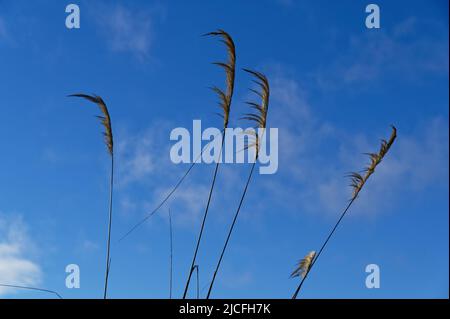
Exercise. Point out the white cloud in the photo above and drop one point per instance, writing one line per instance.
(417, 161)
(144, 163)
(142, 154)
(16, 267)
(388, 51)
(127, 30)
(315, 157)
(188, 203)
(140, 165)
(89, 246)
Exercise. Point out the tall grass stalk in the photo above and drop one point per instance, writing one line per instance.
(171, 255)
(357, 183)
(225, 104)
(108, 137)
(260, 117)
(197, 270)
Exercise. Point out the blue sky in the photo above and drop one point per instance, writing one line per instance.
(336, 87)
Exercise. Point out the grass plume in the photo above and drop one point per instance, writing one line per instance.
(225, 104)
(304, 265)
(259, 115)
(260, 119)
(229, 68)
(105, 120)
(357, 183)
(358, 180)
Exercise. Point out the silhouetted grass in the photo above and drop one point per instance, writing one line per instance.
(260, 118)
(225, 104)
(106, 122)
(357, 183)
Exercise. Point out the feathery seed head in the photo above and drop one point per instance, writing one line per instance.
(357, 181)
(304, 265)
(229, 67)
(104, 119)
(260, 116)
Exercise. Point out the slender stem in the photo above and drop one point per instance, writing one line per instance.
(32, 288)
(171, 255)
(108, 259)
(166, 198)
(323, 246)
(204, 216)
(231, 230)
(198, 283)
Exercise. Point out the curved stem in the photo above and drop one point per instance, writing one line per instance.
(231, 230)
(32, 288)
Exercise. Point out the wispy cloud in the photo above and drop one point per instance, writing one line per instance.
(144, 165)
(187, 204)
(315, 156)
(128, 30)
(16, 267)
(419, 161)
(147, 167)
(142, 153)
(89, 246)
(399, 51)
